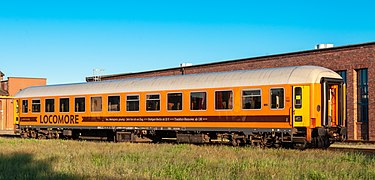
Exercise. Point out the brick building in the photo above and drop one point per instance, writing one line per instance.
(9, 88)
(355, 63)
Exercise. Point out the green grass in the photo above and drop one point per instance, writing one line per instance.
(60, 159)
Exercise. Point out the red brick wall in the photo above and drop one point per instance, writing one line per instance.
(167, 72)
(347, 58)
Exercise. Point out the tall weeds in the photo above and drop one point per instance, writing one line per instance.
(43, 159)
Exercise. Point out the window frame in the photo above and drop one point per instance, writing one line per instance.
(126, 102)
(261, 99)
(270, 98)
(182, 101)
(60, 104)
(75, 98)
(119, 103)
(40, 106)
(91, 102)
(362, 89)
(300, 105)
(231, 109)
(205, 102)
(54, 105)
(159, 102)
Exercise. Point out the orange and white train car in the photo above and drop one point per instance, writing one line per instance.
(300, 106)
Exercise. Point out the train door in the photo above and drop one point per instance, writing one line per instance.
(301, 106)
(333, 103)
(16, 112)
(332, 98)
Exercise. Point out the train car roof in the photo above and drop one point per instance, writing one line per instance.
(257, 77)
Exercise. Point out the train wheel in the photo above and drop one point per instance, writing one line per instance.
(41, 136)
(327, 143)
(33, 134)
(301, 146)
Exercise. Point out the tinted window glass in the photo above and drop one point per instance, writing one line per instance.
(277, 98)
(153, 102)
(132, 103)
(64, 105)
(223, 100)
(96, 104)
(50, 105)
(251, 99)
(298, 97)
(175, 101)
(79, 104)
(362, 95)
(198, 101)
(35, 105)
(113, 103)
(25, 106)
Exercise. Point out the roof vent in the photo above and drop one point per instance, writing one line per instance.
(323, 46)
(96, 72)
(185, 64)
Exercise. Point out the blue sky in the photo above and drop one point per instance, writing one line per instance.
(64, 41)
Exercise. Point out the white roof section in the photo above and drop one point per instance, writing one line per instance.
(258, 77)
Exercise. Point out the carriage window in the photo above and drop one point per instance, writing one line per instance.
(35, 105)
(25, 106)
(79, 104)
(277, 98)
(223, 100)
(132, 103)
(153, 102)
(175, 101)
(96, 104)
(251, 99)
(113, 103)
(298, 97)
(198, 100)
(50, 105)
(64, 104)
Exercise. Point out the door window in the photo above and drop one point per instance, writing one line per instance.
(298, 97)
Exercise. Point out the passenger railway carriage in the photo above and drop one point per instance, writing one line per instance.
(300, 106)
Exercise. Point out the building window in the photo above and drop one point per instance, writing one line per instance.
(362, 95)
(223, 100)
(35, 105)
(342, 74)
(79, 104)
(153, 102)
(198, 100)
(277, 98)
(132, 103)
(251, 99)
(174, 101)
(64, 104)
(113, 103)
(96, 104)
(25, 106)
(50, 105)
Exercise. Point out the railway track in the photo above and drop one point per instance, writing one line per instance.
(367, 151)
(9, 136)
(359, 141)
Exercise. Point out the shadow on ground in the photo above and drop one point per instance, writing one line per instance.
(24, 166)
